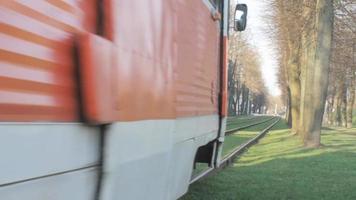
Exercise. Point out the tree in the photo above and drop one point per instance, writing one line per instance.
(303, 31)
(288, 25)
(341, 92)
(247, 91)
(316, 43)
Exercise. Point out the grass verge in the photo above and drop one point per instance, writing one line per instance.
(280, 168)
(244, 122)
(240, 137)
(234, 140)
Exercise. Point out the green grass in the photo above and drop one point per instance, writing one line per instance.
(240, 122)
(280, 168)
(235, 140)
(238, 138)
(199, 168)
(239, 117)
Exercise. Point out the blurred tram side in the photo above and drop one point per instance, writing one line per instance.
(110, 99)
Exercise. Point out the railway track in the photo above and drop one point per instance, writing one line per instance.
(232, 130)
(230, 157)
(244, 120)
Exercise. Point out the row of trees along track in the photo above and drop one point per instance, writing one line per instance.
(342, 77)
(304, 30)
(247, 92)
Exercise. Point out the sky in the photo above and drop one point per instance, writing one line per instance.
(259, 37)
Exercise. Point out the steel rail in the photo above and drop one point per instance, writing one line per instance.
(228, 159)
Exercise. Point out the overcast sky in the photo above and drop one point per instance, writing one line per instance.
(258, 36)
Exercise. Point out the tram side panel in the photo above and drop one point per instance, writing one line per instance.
(160, 96)
(41, 141)
(167, 79)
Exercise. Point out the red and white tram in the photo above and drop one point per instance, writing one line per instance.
(109, 99)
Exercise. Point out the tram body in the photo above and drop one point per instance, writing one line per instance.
(109, 99)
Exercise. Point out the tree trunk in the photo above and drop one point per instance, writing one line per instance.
(294, 86)
(249, 106)
(243, 94)
(352, 88)
(246, 101)
(350, 105)
(288, 111)
(344, 106)
(351, 98)
(236, 102)
(317, 48)
(330, 109)
(338, 109)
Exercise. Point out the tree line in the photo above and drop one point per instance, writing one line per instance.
(316, 44)
(247, 92)
(342, 77)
